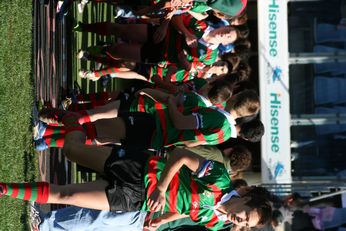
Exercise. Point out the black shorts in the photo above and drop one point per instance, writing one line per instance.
(125, 102)
(140, 127)
(124, 171)
(152, 52)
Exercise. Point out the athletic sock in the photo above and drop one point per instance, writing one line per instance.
(58, 140)
(55, 140)
(106, 71)
(90, 130)
(84, 117)
(35, 191)
(54, 136)
(52, 130)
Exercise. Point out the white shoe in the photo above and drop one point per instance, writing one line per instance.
(88, 75)
(81, 6)
(83, 55)
(58, 6)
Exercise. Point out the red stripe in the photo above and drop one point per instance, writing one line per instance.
(90, 130)
(14, 190)
(243, 7)
(173, 192)
(42, 192)
(174, 77)
(194, 208)
(186, 76)
(220, 134)
(152, 171)
(212, 221)
(114, 70)
(199, 135)
(141, 107)
(208, 54)
(104, 72)
(27, 192)
(159, 71)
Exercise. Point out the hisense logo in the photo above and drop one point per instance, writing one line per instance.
(273, 43)
(275, 106)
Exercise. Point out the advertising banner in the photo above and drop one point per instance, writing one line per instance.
(274, 93)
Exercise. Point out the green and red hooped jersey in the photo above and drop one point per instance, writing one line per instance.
(187, 194)
(146, 104)
(198, 7)
(181, 75)
(189, 101)
(175, 43)
(213, 127)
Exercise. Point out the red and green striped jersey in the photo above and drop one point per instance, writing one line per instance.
(188, 101)
(175, 43)
(213, 127)
(181, 75)
(195, 84)
(146, 104)
(190, 195)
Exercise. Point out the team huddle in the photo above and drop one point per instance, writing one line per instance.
(154, 146)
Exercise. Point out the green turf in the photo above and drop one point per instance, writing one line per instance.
(17, 158)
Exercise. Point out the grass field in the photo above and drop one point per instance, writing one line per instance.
(17, 158)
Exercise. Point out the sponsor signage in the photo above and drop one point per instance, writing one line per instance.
(274, 93)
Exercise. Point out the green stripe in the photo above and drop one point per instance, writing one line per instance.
(53, 141)
(184, 193)
(56, 130)
(34, 192)
(21, 191)
(9, 189)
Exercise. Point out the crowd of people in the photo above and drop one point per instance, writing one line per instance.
(154, 146)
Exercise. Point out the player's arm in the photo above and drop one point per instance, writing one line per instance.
(192, 144)
(198, 16)
(163, 84)
(154, 224)
(181, 121)
(156, 95)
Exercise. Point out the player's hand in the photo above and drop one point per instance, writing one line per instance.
(177, 3)
(191, 40)
(153, 225)
(183, 61)
(157, 200)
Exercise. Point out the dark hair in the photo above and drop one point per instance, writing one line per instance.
(243, 70)
(277, 217)
(237, 183)
(242, 45)
(232, 79)
(245, 103)
(242, 31)
(219, 92)
(240, 158)
(252, 131)
(259, 200)
(239, 16)
(243, 85)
